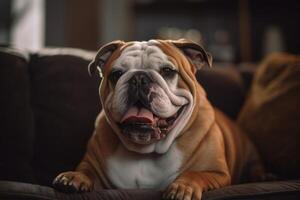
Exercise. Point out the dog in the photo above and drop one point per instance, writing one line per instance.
(157, 129)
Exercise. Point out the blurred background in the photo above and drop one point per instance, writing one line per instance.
(232, 30)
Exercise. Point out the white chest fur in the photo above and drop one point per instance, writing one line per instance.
(130, 170)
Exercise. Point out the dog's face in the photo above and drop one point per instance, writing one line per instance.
(144, 93)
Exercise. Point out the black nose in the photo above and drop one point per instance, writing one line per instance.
(140, 81)
(139, 87)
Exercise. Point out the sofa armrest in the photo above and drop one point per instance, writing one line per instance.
(267, 190)
(19, 191)
(257, 191)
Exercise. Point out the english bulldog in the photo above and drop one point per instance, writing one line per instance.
(157, 129)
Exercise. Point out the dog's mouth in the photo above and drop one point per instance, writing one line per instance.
(142, 126)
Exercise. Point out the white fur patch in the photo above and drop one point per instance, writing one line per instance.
(128, 170)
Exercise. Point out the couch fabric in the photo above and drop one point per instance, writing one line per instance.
(16, 117)
(65, 103)
(48, 108)
(288, 190)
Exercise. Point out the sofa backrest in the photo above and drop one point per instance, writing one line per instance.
(49, 105)
(16, 117)
(65, 103)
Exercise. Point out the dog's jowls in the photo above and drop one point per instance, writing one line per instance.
(157, 128)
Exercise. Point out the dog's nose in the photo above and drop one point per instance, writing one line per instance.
(139, 87)
(140, 80)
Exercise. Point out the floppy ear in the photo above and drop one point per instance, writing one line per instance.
(195, 52)
(103, 55)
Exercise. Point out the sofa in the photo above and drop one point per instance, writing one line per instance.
(48, 107)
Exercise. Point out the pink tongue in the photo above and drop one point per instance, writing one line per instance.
(135, 114)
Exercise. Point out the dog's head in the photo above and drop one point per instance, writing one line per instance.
(149, 90)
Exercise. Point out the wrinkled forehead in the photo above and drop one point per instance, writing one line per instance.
(142, 55)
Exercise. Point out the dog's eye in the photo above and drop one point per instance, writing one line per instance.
(168, 72)
(115, 76)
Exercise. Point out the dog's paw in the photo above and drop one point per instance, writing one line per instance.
(182, 190)
(72, 182)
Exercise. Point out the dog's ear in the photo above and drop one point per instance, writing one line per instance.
(103, 55)
(195, 52)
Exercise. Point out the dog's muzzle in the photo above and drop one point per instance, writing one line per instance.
(139, 123)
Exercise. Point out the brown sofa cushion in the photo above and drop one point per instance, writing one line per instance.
(271, 114)
(16, 119)
(224, 87)
(287, 190)
(65, 102)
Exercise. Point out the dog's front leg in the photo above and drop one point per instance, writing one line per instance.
(81, 180)
(191, 184)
